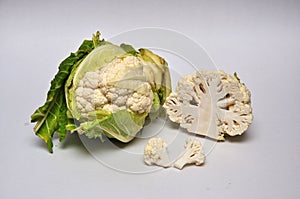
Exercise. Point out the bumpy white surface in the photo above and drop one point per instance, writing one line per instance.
(155, 152)
(119, 85)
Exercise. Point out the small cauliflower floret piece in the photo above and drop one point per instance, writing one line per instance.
(192, 154)
(211, 103)
(155, 153)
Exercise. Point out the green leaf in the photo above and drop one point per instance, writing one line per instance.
(53, 115)
(64, 71)
(96, 40)
(62, 121)
(121, 125)
(129, 49)
(70, 126)
(56, 84)
(46, 127)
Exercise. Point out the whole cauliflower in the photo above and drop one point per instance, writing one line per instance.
(211, 103)
(114, 89)
(103, 89)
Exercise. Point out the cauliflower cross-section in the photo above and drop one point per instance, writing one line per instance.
(192, 154)
(211, 103)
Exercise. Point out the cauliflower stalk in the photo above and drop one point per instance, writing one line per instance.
(210, 103)
(155, 152)
(104, 89)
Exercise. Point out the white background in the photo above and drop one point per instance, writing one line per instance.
(258, 39)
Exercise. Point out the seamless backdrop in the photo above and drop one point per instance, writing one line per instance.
(258, 39)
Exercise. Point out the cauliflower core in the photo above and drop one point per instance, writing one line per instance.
(121, 84)
(210, 103)
(192, 154)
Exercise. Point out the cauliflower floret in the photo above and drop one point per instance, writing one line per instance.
(174, 108)
(139, 102)
(211, 103)
(121, 84)
(121, 70)
(192, 154)
(90, 80)
(99, 99)
(155, 152)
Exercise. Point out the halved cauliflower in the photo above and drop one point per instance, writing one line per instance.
(211, 103)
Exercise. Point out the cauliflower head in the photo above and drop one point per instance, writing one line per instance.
(118, 86)
(211, 103)
(103, 88)
(115, 88)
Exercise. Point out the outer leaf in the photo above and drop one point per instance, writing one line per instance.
(62, 121)
(52, 116)
(56, 84)
(70, 126)
(46, 127)
(121, 125)
(129, 49)
(162, 79)
(59, 80)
